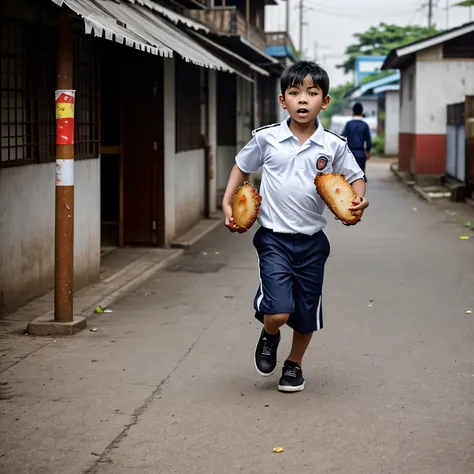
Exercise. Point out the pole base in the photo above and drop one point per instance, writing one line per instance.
(46, 326)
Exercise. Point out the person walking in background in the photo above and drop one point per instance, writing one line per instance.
(357, 132)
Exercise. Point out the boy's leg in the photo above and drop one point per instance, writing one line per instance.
(273, 322)
(299, 346)
(307, 318)
(267, 345)
(274, 299)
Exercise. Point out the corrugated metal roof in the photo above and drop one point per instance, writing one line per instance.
(231, 53)
(397, 55)
(99, 21)
(364, 88)
(171, 15)
(139, 27)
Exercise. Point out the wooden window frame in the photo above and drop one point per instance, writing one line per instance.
(86, 110)
(37, 51)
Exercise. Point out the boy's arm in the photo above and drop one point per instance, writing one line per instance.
(236, 178)
(346, 164)
(249, 160)
(360, 202)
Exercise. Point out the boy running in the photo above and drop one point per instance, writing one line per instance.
(291, 245)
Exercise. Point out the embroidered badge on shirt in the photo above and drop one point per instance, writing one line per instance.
(321, 163)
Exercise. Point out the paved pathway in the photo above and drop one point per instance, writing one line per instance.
(167, 385)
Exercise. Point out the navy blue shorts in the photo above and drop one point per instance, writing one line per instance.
(291, 268)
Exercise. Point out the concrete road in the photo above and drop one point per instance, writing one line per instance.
(167, 385)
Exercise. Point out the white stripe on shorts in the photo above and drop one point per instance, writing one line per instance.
(260, 298)
(318, 314)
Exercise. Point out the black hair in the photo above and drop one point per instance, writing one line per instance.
(296, 73)
(357, 108)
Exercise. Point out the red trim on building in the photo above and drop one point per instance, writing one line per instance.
(430, 152)
(405, 146)
(427, 151)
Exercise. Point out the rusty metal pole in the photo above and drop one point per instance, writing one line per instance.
(64, 229)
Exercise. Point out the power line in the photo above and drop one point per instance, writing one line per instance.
(348, 14)
(342, 9)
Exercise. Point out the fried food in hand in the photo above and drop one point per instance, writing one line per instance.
(338, 195)
(245, 205)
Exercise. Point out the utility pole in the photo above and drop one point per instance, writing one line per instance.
(287, 17)
(430, 13)
(301, 27)
(64, 227)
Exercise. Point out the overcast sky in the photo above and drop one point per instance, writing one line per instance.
(330, 24)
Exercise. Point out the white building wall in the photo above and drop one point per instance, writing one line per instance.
(27, 228)
(392, 122)
(86, 222)
(439, 83)
(407, 104)
(189, 189)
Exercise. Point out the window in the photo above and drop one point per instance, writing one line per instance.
(27, 86)
(19, 125)
(188, 106)
(27, 75)
(86, 110)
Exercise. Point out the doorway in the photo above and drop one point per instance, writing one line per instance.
(132, 147)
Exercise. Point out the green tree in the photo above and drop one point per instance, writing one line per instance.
(380, 40)
(466, 3)
(338, 103)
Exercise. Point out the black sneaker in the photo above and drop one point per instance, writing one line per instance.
(266, 354)
(292, 378)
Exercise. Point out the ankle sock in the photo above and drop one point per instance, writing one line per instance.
(272, 337)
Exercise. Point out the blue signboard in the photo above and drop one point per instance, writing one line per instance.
(365, 66)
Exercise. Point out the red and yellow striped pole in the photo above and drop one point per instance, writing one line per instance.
(64, 230)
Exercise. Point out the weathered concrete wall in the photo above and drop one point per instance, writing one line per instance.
(27, 218)
(439, 83)
(87, 222)
(392, 122)
(189, 189)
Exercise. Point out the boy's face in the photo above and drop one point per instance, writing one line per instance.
(304, 101)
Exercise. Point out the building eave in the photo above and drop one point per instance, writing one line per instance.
(402, 57)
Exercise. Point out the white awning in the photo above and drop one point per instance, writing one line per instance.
(139, 27)
(171, 15)
(99, 21)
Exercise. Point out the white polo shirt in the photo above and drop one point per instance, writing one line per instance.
(290, 202)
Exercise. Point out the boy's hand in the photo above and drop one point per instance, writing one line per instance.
(360, 203)
(229, 220)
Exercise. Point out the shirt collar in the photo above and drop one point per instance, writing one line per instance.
(284, 132)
